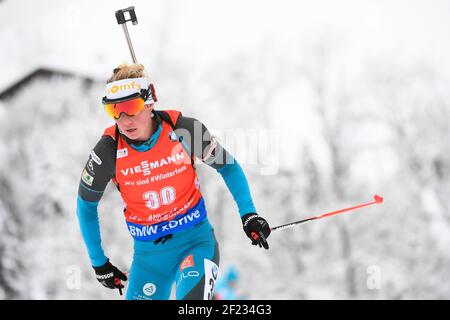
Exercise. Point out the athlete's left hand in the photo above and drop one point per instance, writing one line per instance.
(257, 229)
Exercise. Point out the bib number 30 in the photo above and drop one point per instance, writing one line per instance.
(154, 200)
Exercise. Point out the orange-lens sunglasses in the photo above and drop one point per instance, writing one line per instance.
(130, 107)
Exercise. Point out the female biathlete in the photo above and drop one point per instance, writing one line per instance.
(150, 157)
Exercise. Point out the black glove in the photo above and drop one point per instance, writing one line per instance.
(257, 229)
(109, 276)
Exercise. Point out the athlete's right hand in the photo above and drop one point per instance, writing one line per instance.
(109, 276)
(257, 229)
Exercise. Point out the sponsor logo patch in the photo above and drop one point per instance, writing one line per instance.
(87, 178)
(145, 166)
(96, 158)
(91, 167)
(123, 86)
(121, 153)
(215, 271)
(167, 223)
(149, 289)
(187, 262)
(192, 273)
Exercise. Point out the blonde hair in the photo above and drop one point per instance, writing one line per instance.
(126, 71)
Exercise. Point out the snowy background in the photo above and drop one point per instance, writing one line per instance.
(324, 103)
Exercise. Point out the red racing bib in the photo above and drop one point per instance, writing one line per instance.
(159, 187)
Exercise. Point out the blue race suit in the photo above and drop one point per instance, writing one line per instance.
(188, 257)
